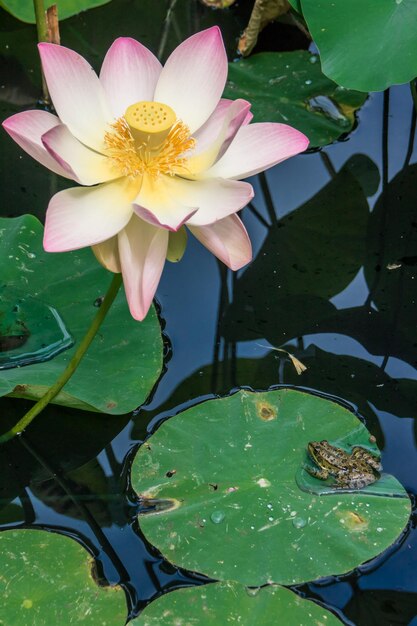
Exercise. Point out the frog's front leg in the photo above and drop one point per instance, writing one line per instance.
(323, 473)
(361, 454)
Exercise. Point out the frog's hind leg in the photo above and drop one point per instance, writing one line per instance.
(323, 474)
(361, 454)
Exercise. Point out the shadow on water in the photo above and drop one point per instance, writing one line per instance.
(334, 282)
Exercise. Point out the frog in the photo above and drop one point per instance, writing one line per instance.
(353, 470)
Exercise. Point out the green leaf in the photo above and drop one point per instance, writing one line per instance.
(296, 4)
(289, 87)
(228, 602)
(73, 284)
(66, 8)
(47, 579)
(244, 507)
(367, 47)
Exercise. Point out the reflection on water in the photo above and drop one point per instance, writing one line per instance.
(30, 330)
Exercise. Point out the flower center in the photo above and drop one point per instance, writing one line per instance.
(148, 139)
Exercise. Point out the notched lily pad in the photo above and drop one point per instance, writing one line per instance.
(242, 515)
(64, 290)
(47, 579)
(218, 603)
(289, 87)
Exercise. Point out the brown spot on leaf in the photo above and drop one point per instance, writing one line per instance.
(352, 521)
(20, 389)
(111, 405)
(266, 411)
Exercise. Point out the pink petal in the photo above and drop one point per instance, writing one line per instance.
(215, 136)
(227, 239)
(129, 74)
(194, 77)
(27, 128)
(77, 94)
(142, 250)
(81, 164)
(257, 147)
(84, 216)
(157, 204)
(107, 253)
(214, 198)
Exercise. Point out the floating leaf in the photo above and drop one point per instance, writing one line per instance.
(228, 602)
(378, 49)
(47, 579)
(289, 87)
(237, 510)
(73, 284)
(24, 10)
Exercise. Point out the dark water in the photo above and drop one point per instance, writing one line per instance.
(334, 281)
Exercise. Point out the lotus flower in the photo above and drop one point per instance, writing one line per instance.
(154, 149)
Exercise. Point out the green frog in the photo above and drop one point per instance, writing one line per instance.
(350, 471)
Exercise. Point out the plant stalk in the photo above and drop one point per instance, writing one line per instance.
(414, 92)
(42, 28)
(72, 365)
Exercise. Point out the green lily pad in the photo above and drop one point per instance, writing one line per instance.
(228, 602)
(296, 4)
(225, 474)
(376, 50)
(290, 87)
(73, 283)
(47, 579)
(25, 13)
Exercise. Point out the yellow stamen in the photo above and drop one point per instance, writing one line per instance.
(136, 150)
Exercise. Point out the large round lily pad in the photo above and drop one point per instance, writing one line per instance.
(24, 10)
(365, 46)
(289, 87)
(72, 284)
(228, 602)
(244, 508)
(46, 579)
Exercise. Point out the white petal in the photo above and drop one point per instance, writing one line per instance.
(157, 204)
(129, 74)
(257, 147)
(107, 253)
(193, 78)
(77, 94)
(81, 164)
(142, 250)
(227, 239)
(84, 216)
(214, 199)
(27, 128)
(215, 136)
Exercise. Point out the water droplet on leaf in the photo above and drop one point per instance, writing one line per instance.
(217, 517)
